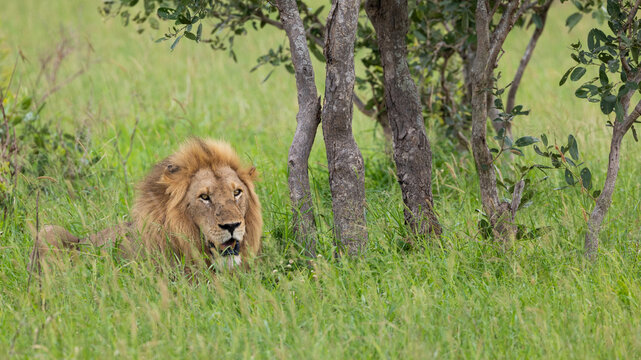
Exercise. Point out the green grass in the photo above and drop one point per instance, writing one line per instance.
(456, 298)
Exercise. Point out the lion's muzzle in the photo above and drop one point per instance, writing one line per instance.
(230, 247)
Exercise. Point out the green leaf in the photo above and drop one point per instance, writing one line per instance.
(199, 32)
(507, 141)
(544, 138)
(190, 35)
(498, 103)
(153, 23)
(591, 41)
(166, 13)
(184, 20)
(525, 141)
(626, 88)
(586, 178)
(614, 9)
(539, 152)
(573, 19)
(577, 73)
(582, 92)
(175, 43)
(573, 147)
(569, 178)
(317, 53)
(618, 110)
(603, 77)
(516, 151)
(596, 193)
(607, 103)
(565, 76)
(595, 37)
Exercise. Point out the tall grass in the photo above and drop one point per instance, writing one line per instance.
(459, 297)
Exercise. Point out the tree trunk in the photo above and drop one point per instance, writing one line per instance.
(307, 119)
(412, 152)
(620, 128)
(604, 200)
(499, 213)
(344, 159)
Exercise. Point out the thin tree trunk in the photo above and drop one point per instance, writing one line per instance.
(604, 200)
(514, 87)
(360, 105)
(344, 159)
(527, 55)
(620, 128)
(412, 152)
(499, 213)
(307, 119)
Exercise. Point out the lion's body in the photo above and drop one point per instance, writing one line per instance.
(194, 204)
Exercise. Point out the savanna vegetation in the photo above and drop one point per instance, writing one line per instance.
(91, 105)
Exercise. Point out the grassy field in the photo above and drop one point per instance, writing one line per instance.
(457, 298)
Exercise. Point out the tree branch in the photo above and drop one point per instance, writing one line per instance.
(632, 14)
(361, 106)
(527, 55)
(632, 117)
(307, 120)
(502, 29)
(494, 8)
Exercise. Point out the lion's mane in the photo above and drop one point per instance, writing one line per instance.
(159, 211)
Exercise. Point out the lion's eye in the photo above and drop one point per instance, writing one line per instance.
(204, 197)
(237, 192)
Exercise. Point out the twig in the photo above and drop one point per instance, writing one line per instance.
(360, 104)
(362, 107)
(632, 14)
(527, 55)
(494, 8)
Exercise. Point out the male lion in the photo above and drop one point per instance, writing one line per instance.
(197, 204)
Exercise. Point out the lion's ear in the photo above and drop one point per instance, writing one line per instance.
(172, 169)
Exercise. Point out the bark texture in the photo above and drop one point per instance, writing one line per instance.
(344, 159)
(307, 120)
(604, 200)
(620, 128)
(412, 152)
(489, 44)
(372, 113)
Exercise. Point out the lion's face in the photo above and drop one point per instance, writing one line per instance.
(217, 203)
(203, 199)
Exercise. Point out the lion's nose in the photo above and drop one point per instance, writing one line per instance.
(229, 227)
